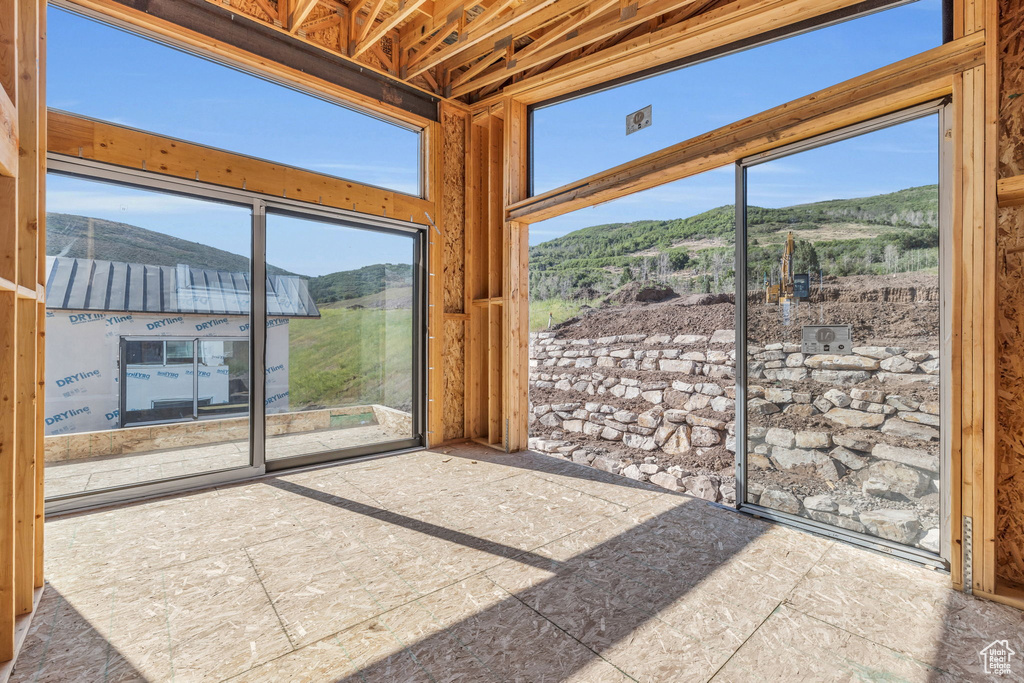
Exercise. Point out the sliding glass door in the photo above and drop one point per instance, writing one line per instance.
(842, 313)
(344, 379)
(194, 333)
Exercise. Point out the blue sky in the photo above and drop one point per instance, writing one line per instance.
(108, 74)
(584, 136)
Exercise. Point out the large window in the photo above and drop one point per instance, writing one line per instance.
(99, 71)
(705, 96)
(159, 364)
(843, 309)
(349, 372)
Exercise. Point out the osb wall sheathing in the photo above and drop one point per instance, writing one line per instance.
(1010, 297)
(454, 379)
(453, 210)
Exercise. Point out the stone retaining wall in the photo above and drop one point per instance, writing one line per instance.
(647, 406)
(638, 405)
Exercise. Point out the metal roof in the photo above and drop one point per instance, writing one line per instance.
(79, 284)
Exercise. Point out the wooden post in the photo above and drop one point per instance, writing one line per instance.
(516, 276)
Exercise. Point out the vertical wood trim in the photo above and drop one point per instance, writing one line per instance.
(435, 291)
(8, 301)
(517, 279)
(41, 306)
(25, 448)
(958, 488)
(8, 345)
(28, 141)
(496, 240)
(37, 571)
(991, 367)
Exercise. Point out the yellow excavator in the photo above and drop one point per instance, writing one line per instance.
(782, 293)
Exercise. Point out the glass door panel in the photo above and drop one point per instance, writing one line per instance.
(135, 279)
(842, 314)
(342, 306)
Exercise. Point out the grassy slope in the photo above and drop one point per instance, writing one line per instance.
(351, 357)
(82, 237)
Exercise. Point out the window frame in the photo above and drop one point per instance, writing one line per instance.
(421, 129)
(943, 108)
(95, 171)
(841, 16)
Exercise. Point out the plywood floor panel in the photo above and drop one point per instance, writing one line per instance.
(465, 564)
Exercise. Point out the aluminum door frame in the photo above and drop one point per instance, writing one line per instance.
(87, 169)
(943, 109)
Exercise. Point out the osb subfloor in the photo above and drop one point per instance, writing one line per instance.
(471, 565)
(89, 474)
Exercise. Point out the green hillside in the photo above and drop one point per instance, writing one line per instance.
(362, 282)
(840, 237)
(83, 237)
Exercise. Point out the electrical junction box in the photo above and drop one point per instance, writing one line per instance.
(834, 339)
(639, 120)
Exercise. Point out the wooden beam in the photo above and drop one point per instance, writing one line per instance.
(255, 45)
(269, 10)
(424, 51)
(320, 24)
(111, 144)
(359, 33)
(483, 27)
(516, 277)
(733, 22)
(600, 28)
(464, 82)
(910, 81)
(511, 32)
(299, 10)
(405, 9)
(25, 446)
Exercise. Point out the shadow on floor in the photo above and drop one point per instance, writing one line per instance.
(72, 645)
(599, 598)
(385, 515)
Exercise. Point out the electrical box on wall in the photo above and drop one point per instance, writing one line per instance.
(835, 339)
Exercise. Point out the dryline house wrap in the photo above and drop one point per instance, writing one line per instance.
(96, 309)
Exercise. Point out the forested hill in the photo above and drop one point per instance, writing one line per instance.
(915, 207)
(77, 236)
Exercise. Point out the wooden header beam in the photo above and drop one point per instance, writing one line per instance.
(98, 141)
(911, 81)
(222, 33)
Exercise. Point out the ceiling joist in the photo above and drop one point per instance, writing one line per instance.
(300, 9)
(405, 9)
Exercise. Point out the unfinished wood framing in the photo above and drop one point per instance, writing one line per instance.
(498, 57)
(919, 79)
(1009, 266)
(21, 299)
(89, 139)
(454, 257)
(486, 351)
